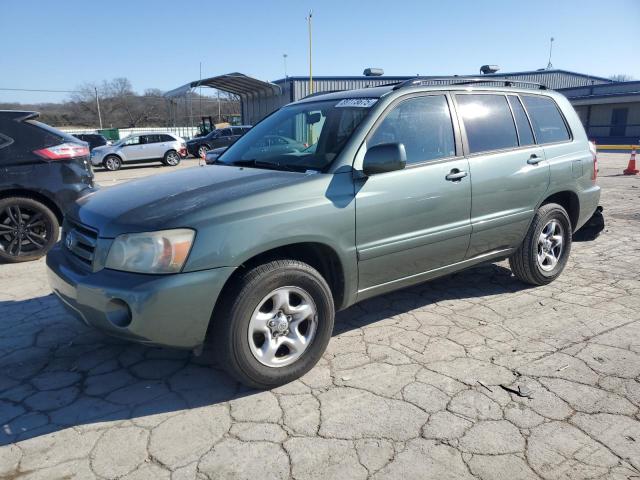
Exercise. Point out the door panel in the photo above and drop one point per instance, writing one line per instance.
(132, 152)
(416, 219)
(411, 221)
(506, 190)
(509, 171)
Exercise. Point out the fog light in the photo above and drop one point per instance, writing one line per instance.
(118, 313)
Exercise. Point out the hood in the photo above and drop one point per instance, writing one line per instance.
(173, 200)
(102, 148)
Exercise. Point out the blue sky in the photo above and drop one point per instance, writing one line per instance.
(159, 44)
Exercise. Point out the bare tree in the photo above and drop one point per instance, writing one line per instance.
(121, 107)
(621, 77)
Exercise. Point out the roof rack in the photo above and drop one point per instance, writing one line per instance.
(427, 81)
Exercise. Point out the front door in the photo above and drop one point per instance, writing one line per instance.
(133, 149)
(417, 219)
(509, 171)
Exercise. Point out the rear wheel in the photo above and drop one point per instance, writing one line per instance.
(274, 323)
(28, 229)
(171, 158)
(545, 250)
(112, 163)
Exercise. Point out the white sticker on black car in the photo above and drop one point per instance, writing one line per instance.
(356, 102)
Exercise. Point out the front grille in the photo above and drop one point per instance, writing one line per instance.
(80, 240)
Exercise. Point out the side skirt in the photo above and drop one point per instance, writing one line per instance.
(431, 274)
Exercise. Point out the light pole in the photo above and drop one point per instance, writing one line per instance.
(284, 59)
(310, 69)
(549, 65)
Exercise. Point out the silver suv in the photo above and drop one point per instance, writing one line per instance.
(139, 148)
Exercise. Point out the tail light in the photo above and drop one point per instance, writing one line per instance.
(594, 152)
(63, 151)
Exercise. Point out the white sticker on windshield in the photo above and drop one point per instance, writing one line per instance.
(357, 102)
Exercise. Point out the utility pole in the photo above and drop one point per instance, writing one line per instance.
(98, 105)
(310, 69)
(219, 110)
(200, 91)
(549, 65)
(284, 58)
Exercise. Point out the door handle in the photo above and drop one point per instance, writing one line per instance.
(534, 159)
(455, 175)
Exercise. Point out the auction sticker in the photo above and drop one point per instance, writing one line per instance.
(356, 102)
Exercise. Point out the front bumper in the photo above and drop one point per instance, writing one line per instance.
(169, 310)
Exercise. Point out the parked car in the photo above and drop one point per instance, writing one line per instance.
(222, 137)
(212, 155)
(93, 139)
(42, 171)
(405, 183)
(141, 148)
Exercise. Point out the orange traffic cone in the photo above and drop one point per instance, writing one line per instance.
(631, 168)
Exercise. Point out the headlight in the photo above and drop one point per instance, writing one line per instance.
(165, 251)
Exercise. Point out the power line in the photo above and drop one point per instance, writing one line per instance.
(39, 90)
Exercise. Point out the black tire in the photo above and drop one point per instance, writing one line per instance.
(28, 229)
(524, 262)
(112, 163)
(230, 328)
(171, 158)
(205, 147)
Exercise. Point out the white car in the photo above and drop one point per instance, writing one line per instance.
(141, 148)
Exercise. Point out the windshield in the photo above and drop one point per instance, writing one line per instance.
(301, 137)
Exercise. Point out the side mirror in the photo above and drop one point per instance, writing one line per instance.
(383, 158)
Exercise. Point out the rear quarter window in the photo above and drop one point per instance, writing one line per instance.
(546, 118)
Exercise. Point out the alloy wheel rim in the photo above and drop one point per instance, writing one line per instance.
(23, 231)
(202, 151)
(550, 245)
(172, 159)
(282, 327)
(112, 163)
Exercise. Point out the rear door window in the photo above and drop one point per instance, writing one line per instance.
(488, 122)
(525, 135)
(423, 125)
(546, 118)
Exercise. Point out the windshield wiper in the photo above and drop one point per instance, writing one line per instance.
(263, 164)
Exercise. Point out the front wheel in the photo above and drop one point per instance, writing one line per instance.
(28, 229)
(274, 323)
(202, 151)
(112, 163)
(545, 250)
(171, 158)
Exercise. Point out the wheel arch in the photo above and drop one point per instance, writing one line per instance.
(568, 200)
(320, 256)
(35, 195)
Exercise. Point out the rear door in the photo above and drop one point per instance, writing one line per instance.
(509, 170)
(413, 220)
(155, 146)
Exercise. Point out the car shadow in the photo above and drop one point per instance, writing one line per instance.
(56, 373)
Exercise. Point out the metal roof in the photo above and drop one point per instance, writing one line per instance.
(236, 83)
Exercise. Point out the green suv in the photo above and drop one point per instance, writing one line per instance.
(393, 186)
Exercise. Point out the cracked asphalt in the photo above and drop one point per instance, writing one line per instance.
(470, 376)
